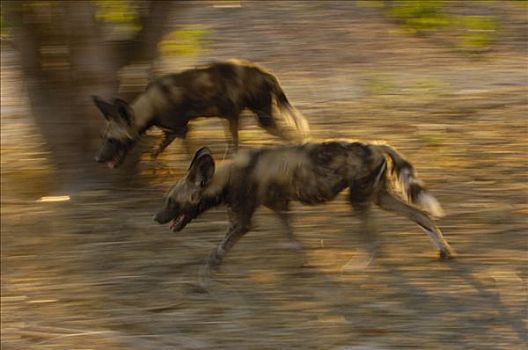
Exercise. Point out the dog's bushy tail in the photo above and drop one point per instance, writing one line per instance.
(412, 188)
(287, 115)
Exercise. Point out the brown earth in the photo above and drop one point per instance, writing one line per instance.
(95, 272)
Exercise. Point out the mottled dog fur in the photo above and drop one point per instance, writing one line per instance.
(222, 89)
(312, 173)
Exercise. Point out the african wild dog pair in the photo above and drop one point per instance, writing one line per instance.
(310, 173)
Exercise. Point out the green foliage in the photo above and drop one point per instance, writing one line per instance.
(370, 3)
(477, 31)
(120, 13)
(433, 138)
(377, 83)
(189, 40)
(419, 16)
(522, 4)
(423, 16)
(40, 4)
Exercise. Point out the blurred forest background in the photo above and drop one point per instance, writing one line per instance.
(446, 82)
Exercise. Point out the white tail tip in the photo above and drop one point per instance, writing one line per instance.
(430, 204)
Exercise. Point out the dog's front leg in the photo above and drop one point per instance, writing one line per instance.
(367, 228)
(168, 137)
(235, 232)
(233, 130)
(283, 216)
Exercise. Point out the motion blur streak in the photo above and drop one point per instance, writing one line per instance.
(444, 82)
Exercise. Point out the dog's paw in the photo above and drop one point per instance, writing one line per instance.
(204, 279)
(360, 262)
(214, 260)
(446, 254)
(292, 245)
(198, 287)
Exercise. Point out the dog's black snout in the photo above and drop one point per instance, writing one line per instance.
(162, 217)
(99, 157)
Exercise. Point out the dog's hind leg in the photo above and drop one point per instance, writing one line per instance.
(388, 202)
(266, 121)
(233, 130)
(367, 228)
(361, 200)
(282, 213)
(265, 118)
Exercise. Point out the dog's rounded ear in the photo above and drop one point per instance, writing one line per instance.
(201, 152)
(107, 109)
(202, 167)
(123, 110)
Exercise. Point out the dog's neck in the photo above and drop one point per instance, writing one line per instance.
(220, 182)
(209, 201)
(215, 193)
(143, 114)
(227, 177)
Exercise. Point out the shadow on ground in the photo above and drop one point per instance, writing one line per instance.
(96, 272)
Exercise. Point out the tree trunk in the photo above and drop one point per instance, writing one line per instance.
(65, 61)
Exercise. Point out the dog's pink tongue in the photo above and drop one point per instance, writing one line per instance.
(175, 222)
(111, 164)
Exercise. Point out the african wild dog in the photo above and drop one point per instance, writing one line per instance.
(312, 173)
(222, 89)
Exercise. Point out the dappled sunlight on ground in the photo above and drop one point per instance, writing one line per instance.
(95, 272)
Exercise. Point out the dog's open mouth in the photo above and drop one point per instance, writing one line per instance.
(112, 163)
(179, 222)
(117, 160)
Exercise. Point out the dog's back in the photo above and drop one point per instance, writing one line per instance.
(309, 173)
(217, 89)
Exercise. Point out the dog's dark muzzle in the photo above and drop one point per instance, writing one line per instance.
(177, 221)
(163, 217)
(113, 152)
